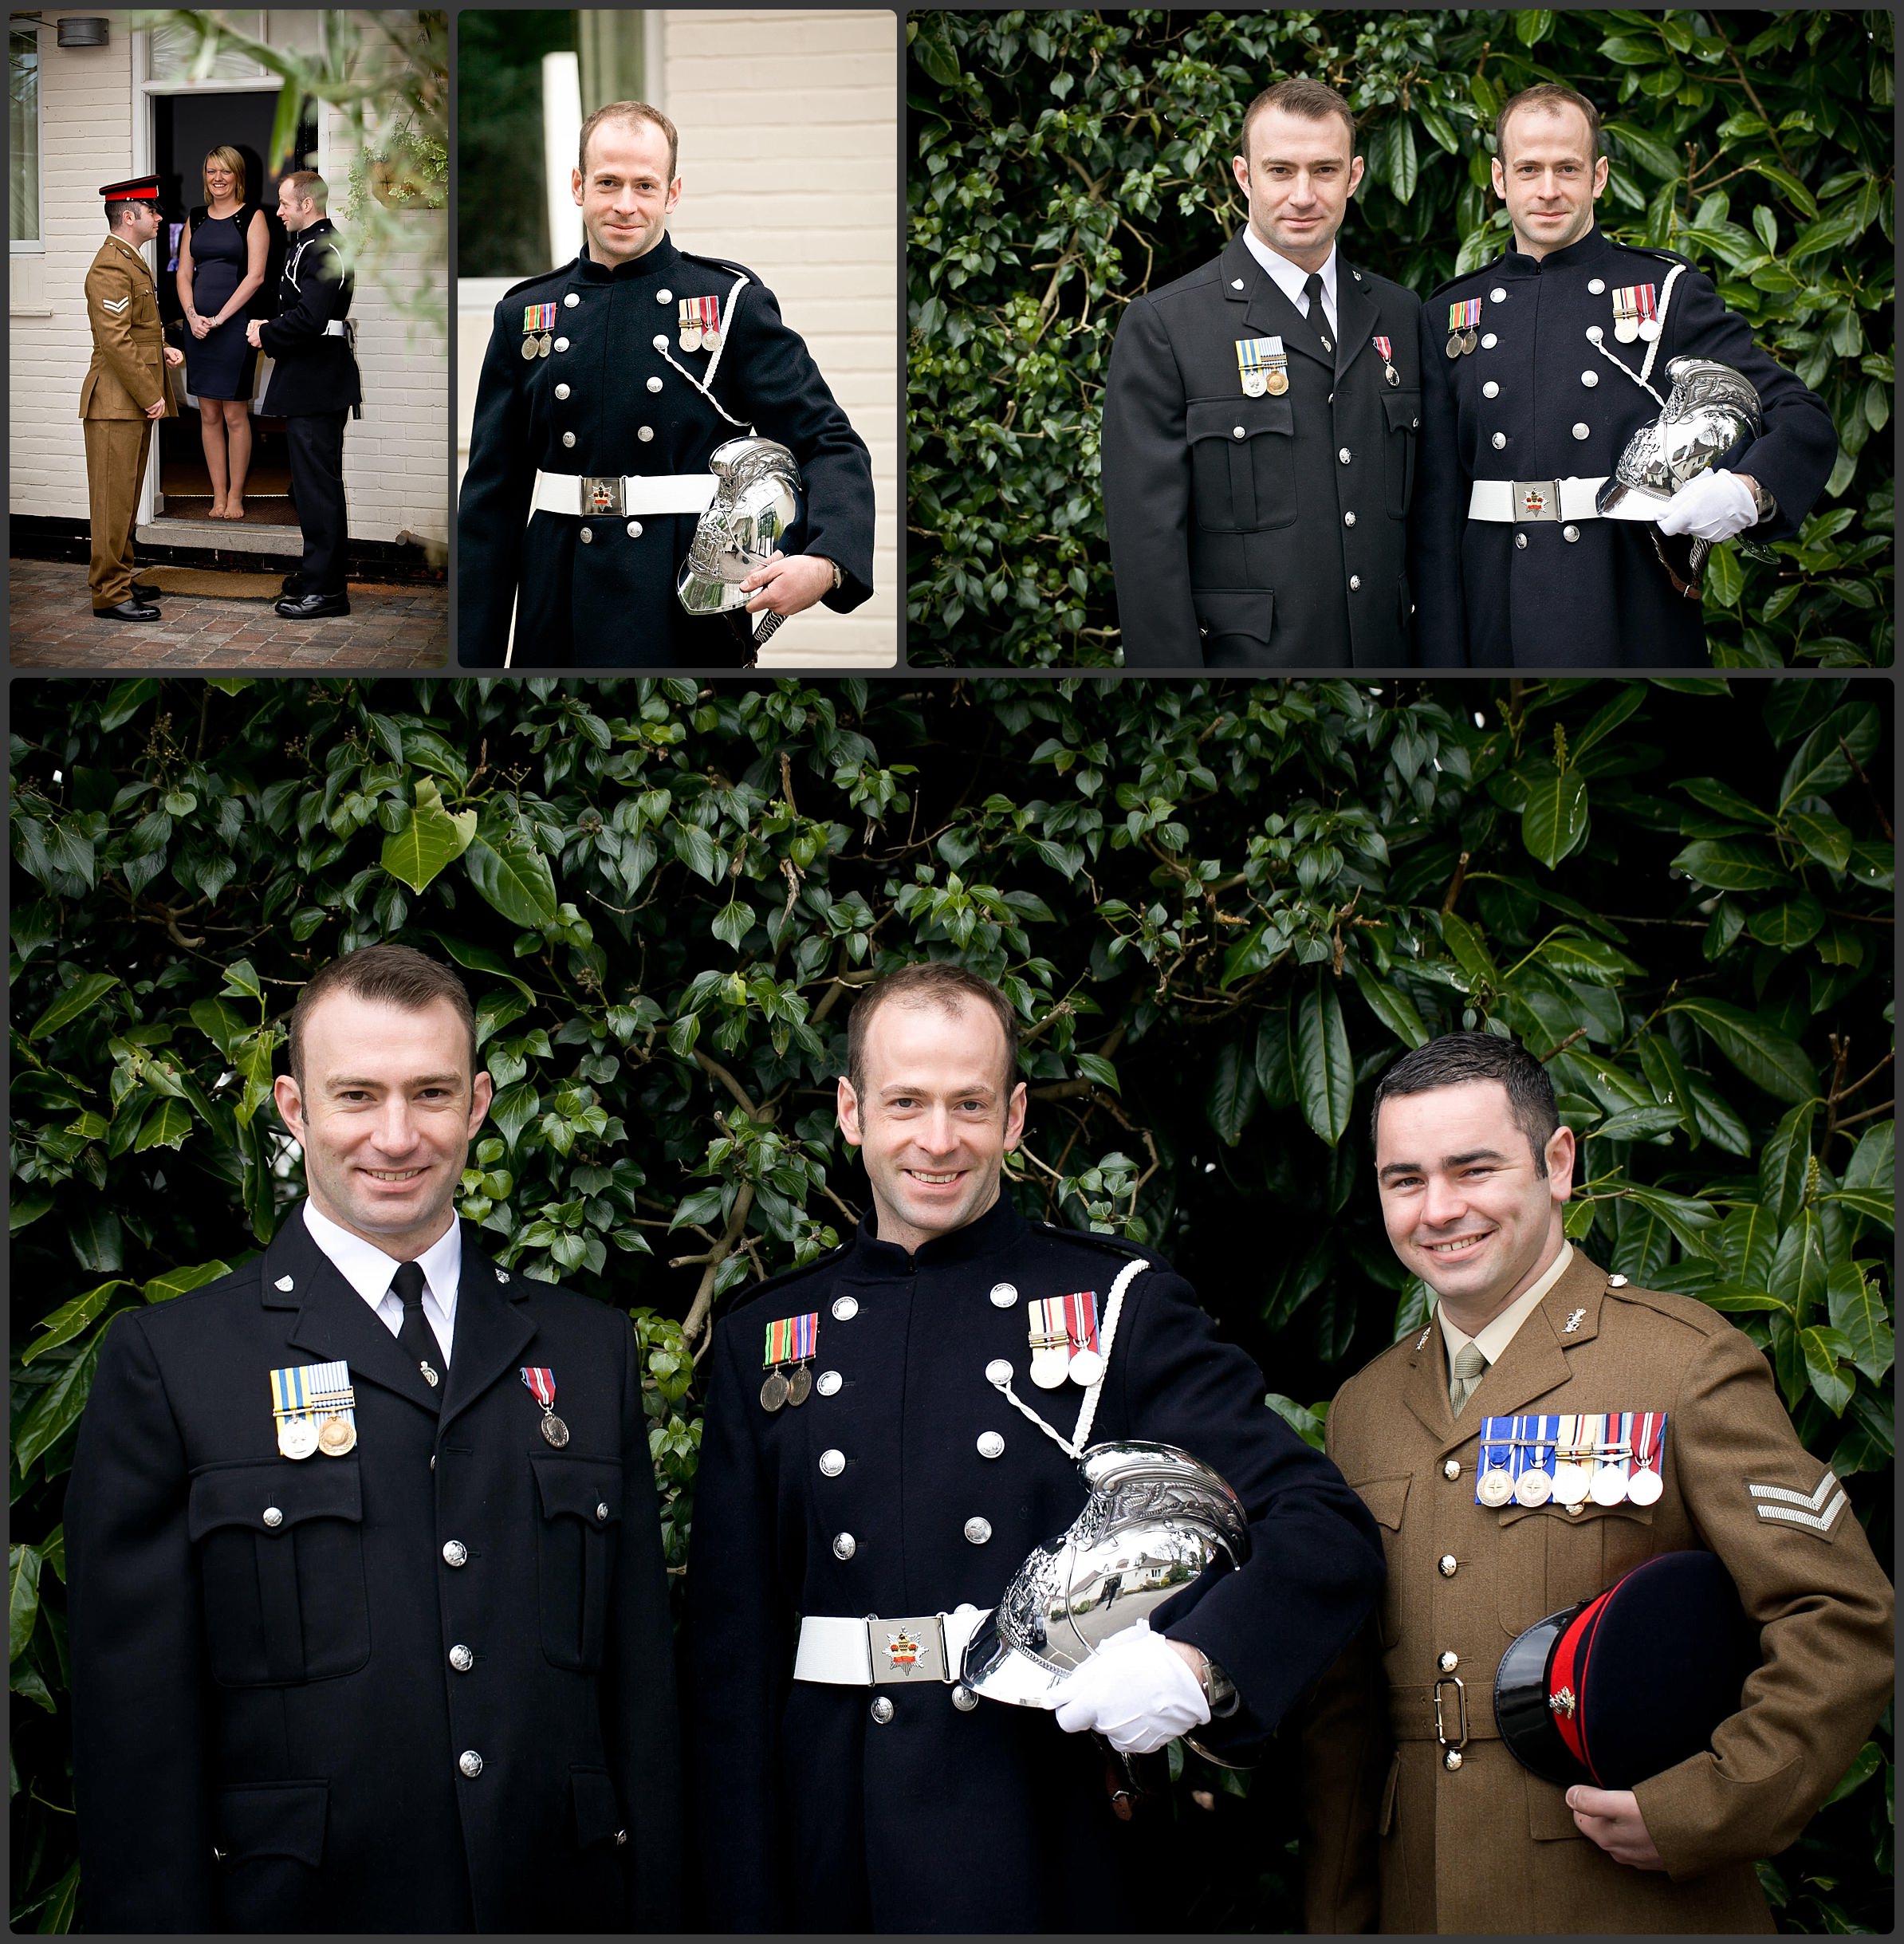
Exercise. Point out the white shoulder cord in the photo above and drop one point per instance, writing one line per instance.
(1645, 372)
(1074, 1445)
(701, 385)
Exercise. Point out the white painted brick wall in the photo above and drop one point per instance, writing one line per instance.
(395, 457)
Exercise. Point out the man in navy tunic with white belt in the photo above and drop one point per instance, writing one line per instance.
(1536, 370)
(608, 384)
(885, 1436)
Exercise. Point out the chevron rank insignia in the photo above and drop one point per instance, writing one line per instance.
(1777, 1506)
(115, 304)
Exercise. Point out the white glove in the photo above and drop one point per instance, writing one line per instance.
(1136, 1690)
(1712, 507)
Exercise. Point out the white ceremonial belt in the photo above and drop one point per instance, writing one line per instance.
(875, 1653)
(588, 494)
(336, 328)
(1517, 500)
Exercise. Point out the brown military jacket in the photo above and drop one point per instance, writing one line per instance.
(1399, 1842)
(127, 371)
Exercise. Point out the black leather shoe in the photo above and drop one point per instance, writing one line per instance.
(146, 590)
(127, 611)
(293, 586)
(313, 606)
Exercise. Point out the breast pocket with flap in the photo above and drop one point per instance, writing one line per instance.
(582, 1503)
(1242, 462)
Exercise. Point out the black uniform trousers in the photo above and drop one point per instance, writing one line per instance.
(316, 440)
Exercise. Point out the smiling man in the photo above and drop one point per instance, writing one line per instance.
(609, 384)
(886, 1436)
(1261, 417)
(369, 1627)
(1418, 1818)
(1537, 369)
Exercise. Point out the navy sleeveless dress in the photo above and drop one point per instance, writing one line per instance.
(221, 365)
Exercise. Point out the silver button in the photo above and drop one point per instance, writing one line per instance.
(470, 1763)
(1499, 440)
(588, 536)
(832, 1463)
(601, 1513)
(1497, 295)
(1236, 283)
(1489, 341)
(1569, 533)
(1616, 1282)
(634, 529)
(964, 1699)
(845, 1308)
(272, 1516)
(998, 1371)
(1344, 455)
(1447, 1563)
(1349, 519)
(654, 384)
(645, 433)
(568, 438)
(1451, 1469)
(826, 1384)
(990, 1445)
(978, 1531)
(1355, 583)
(1595, 333)
(571, 300)
(845, 1545)
(1236, 431)
(882, 1710)
(561, 344)
(461, 1659)
(660, 340)
(1596, 285)
(1451, 1761)
(1582, 431)
(1590, 379)
(561, 390)
(664, 297)
(1449, 1662)
(455, 1553)
(1004, 1295)
(1520, 540)
(1490, 390)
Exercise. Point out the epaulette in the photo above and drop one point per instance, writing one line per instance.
(758, 1289)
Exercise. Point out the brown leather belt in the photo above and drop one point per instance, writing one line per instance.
(1466, 1712)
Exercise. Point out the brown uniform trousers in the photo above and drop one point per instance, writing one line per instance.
(1398, 1841)
(127, 373)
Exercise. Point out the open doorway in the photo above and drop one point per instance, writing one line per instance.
(185, 128)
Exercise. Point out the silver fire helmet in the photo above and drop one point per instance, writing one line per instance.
(1710, 409)
(756, 501)
(1155, 1519)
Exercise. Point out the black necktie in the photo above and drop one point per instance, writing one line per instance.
(1318, 316)
(416, 1339)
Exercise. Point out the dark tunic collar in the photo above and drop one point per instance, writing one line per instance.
(1000, 1227)
(1594, 245)
(657, 262)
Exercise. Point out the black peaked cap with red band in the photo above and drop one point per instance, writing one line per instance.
(1624, 1686)
(135, 189)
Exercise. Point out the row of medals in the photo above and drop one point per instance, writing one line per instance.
(297, 1438)
(535, 347)
(781, 1389)
(1461, 343)
(539, 346)
(1571, 1484)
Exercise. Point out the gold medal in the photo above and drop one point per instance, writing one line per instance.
(1277, 382)
(337, 1436)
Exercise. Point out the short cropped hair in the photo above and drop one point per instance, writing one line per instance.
(949, 988)
(115, 210)
(311, 187)
(1456, 1058)
(1552, 96)
(233, 161)
(1299, 96)
(389, 975)
(628, 111)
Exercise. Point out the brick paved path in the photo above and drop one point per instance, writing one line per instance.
(50, 625)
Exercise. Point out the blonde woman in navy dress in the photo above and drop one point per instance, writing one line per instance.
(221, 264)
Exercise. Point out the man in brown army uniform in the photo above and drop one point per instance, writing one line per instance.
(1413, 1828)
(126, 390)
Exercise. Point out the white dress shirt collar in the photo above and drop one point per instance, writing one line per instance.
(368, 1270)
(1497, 1336)
(1290, 278)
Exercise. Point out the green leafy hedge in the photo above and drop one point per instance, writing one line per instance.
(1220, 908)
(1063, 163)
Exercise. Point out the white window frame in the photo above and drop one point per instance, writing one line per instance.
(33, 247)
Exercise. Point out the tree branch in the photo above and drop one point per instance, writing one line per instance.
(736, 1223)
(715, 1071)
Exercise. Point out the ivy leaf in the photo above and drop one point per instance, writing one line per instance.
(429, 839)
(514, 877)
(1095, 1067)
